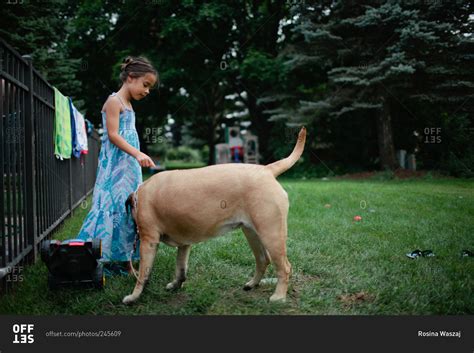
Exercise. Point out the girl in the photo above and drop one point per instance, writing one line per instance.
(119, 168)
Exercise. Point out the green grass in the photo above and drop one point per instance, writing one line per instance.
(339, 266)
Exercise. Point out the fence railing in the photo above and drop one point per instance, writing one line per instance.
(38, 190)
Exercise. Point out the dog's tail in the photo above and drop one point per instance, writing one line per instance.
(284, 164)
(129, 204)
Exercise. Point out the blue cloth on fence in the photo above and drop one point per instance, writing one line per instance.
(89, 127)
(73, 125)
(118, 175)
(78, 130)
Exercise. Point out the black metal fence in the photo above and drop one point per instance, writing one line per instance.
(38, 190)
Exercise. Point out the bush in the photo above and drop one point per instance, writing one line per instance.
(306, 169)
(462, 166)
(158, 150)
(387, 174)
(205, 153)
(183, 154)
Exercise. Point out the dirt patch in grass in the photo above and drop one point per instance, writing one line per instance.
(406, 174)
(297, 284)
(351, 299)
(177, 299)
(361, 175)
(297, 281)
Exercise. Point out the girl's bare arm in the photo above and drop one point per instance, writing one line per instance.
(112, 110)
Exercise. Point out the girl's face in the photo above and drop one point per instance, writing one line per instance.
(139, 87)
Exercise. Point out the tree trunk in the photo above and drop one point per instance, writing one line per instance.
(214, 106)
(211, 138)
(212, 144)
(261, 127)
(385, 137)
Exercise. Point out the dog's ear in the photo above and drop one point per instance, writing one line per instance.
(129, 203)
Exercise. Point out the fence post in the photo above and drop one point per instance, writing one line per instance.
(30, 170)
(3, 252)
(70, 187)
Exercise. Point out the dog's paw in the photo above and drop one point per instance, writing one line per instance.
(248, 286)
(251, 284)
(129, 299)
(173, 285)
(277, 299)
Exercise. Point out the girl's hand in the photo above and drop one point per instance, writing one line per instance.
(144, 160)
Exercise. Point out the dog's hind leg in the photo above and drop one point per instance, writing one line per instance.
(262, 259)
(273, 238)
(148, 247)
(181, 267)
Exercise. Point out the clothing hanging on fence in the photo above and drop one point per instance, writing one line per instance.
(118, 175)
(89, 127)
(62, 126)
(78, 129)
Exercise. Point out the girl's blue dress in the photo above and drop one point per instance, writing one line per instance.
(118, 175)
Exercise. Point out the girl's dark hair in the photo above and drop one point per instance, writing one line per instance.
(136, 67)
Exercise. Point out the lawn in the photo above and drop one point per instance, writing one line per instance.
(340, 266)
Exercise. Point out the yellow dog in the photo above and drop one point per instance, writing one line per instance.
(184, 207)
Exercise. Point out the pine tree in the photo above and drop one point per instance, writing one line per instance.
(375, 58)
(42, 32)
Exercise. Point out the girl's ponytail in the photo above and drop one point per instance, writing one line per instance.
(128, 60)
(136, 67)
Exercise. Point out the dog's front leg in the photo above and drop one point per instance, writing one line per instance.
(147, 256)
(181, 267)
